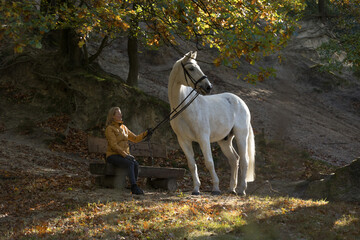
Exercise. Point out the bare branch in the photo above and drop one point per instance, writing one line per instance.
(102, 46)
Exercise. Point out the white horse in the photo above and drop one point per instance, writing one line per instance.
(213, 118)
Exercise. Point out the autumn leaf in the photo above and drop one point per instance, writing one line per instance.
(217, 61)
(19, 47)
(81, 43)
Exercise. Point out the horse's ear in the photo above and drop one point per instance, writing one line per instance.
(193, 55)
(187, 57)
(190, 55)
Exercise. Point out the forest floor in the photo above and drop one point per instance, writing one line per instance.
(47, 192)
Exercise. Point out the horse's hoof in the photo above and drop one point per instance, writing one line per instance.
(195, 193)
(242, 194)
(216, 193)
(232, 192)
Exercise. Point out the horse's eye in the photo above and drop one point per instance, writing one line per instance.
(191, 68)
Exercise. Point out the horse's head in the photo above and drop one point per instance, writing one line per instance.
(193, 76)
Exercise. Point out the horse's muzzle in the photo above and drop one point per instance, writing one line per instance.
(205, 88)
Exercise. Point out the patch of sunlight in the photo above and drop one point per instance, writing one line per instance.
(345, 220)
(266, 207)
(201, 234)
(41, 169)
(211, 225)
(261, 93)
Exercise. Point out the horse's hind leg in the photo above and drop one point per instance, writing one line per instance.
(186, 146)
(241, 140)
(233, 158)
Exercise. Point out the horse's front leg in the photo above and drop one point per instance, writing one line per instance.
(186, 146)
(209, 163)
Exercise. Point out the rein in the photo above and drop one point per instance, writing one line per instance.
(169, 117)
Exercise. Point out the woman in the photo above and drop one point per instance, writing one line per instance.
(118, 152)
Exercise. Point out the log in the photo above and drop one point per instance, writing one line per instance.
(100, 168)
(159, 172)
(117, 182)
(164, 183)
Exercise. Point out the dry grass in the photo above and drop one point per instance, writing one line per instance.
(159, 216)
(50, 196)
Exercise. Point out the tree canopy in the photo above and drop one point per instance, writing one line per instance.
(235, 28)
(248, 29)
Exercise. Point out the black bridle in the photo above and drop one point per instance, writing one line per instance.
(195, 82)
(187, 74)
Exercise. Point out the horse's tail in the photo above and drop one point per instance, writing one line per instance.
(250, 174)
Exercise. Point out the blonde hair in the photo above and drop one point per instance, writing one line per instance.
(110, 115)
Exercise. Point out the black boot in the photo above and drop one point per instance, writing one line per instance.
(136, 190)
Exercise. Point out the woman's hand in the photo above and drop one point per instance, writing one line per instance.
(149, 133)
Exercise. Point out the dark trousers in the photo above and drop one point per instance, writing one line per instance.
(130, 164)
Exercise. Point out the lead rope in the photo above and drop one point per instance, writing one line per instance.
(169, 118)
(181, 110)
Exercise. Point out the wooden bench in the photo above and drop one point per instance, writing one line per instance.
(107, 175)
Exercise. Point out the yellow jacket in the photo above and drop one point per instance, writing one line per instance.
(117, 136)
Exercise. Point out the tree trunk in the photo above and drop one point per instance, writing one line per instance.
(132, 49)
(322, 9)
(67, 39)
(69, 48)
(133, 75)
